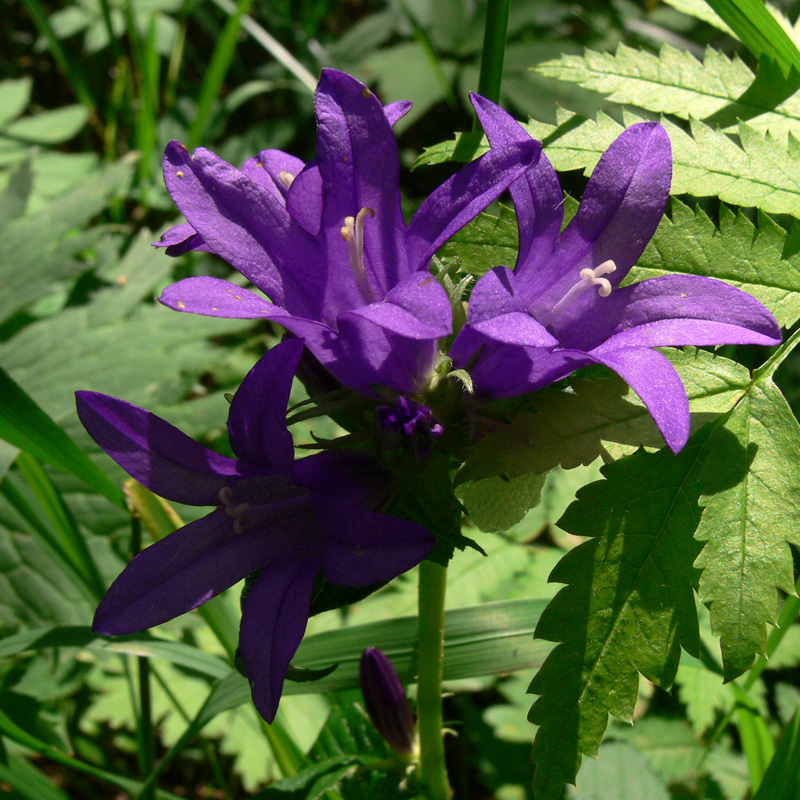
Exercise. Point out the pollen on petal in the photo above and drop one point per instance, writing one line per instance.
(179, 174)
(181, 304)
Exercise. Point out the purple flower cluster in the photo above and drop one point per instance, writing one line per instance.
(326, 242)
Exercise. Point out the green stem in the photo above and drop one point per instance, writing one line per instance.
(494, 49)
(433, 774)
(146, 739)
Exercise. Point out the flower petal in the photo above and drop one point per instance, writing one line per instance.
(304, 198)
(157, 454)
(181, 239)
(463, 196)
(363, 548)
(673, 310)
(267, 167)
(214, 297)
(655, 380)
(257, 420)
(360, 168)
(179, 573)
(397, 110)
(538, 199)
(274, 619)
(245, 224)
(620, 210)
(497, 311)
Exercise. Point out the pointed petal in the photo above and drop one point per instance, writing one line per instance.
(463, 196)
(397, 110)
(363, 548)
(245, 224)
(360, 168)
(304, 198)
(157, 454)
(538, 199)
(214, 297)
(181, 239)
(266, 169)
(497, 311)
(674, 310)
(179, 573)
(619, 213)
(657, 383)
(257, 421)
(274, 619)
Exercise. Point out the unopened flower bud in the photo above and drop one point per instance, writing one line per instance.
(386, 701)
(408, 424)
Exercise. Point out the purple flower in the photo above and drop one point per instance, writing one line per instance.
(386, 701)
(562, 308)
(326, 241)
(291, 520)
(407, 424)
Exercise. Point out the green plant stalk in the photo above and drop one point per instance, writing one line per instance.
(145, 737)
(432, 771)
(146, 134)
(494, 49)
(216, 72)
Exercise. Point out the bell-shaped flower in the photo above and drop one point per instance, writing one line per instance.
(326, 241)
(562, 307)
(288, 519)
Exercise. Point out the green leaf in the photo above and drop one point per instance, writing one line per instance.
(780, 779)
(622, 773)
(755, 736)
(699, 9)
(24, 425)
(14, 199)
(487, 242)
(762, 172)
(672, 82)
(14, 96)
(628, 606)
(26, 779)
(702, 692)
(49, 127)
(495, 504)
(598, 415)
(763, 261)
(758, 30)
(748, 528)
(38, 250)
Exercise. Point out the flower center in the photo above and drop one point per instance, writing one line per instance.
(234, 511)
(353, 234)
(589, 278)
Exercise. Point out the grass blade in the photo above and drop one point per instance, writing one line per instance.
(24, 425)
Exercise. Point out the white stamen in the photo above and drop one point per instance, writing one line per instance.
(236, 512)
(285, 178)
(589, 277)
(353, 234)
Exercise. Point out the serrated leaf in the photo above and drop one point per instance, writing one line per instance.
(487, 242)
(628, 606)
(495, 504)
(747, 529)
(702, 692)
(573, 428)
(764, 171)
(672, 82)
(763, 261)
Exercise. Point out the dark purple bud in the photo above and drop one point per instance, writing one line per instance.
(408, 424)
(386, 701)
